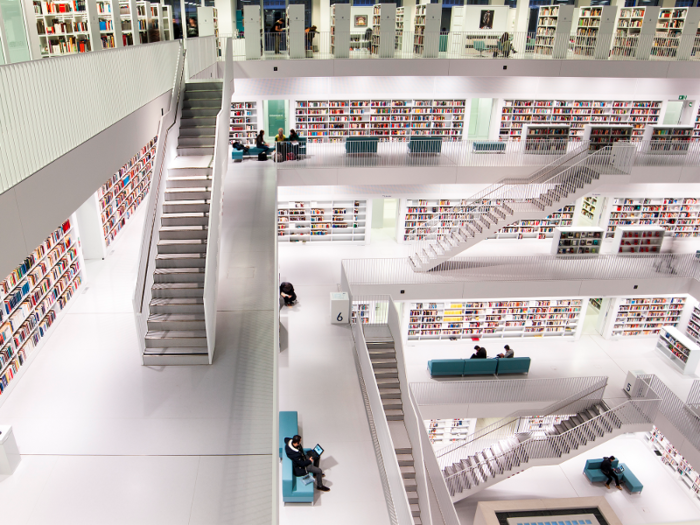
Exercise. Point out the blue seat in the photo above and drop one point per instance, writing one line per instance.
(480, 46)
(254, 151)
(361, 144)
(237, 155)
(489, 147)
(595, 475)
(630, 481)
(425, 145)
(480, 367)
(293, 489)
(446, 367)
(513, 365)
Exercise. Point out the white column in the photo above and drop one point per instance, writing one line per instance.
(341, 46)
(295, 31)
(646, 35)
(252, 25)
(522, 12)
(563, 30)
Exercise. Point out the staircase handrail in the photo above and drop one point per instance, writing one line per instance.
(219, 168)
(633, 411)
(142, 292)
(552, 409)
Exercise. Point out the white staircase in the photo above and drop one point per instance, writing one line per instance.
(586, 429)
(549, 189)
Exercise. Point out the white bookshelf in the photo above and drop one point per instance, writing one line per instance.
(366, 312)
(167, 17)
(383, 30)
(540, 138)
(638, 239)
(679, 349)
(494, 319)
(388, 119)
(443, 431)
(553, 30)
(296, 37)
(130, 23)
(680, 217)
(644, 316)
(669, 28)
(628, 29)
(143, 21)
(515, 114)
(244, 121)
(426, 39)
(323, 221)
(577, 241)
(601, 136)
(668, 140)
(34, 294)
(590, 208)
(340, 30)
(63, 27)
(110, 24)
(157, 19)
(398, 38)
(693, 328)
(587, 28)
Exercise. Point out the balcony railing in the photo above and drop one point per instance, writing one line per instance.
(475, 45)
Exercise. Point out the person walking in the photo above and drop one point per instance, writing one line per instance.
(302, 465)
(607, 469)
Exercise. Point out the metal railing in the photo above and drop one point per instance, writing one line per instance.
(201, 54)
(524, 268)
(694, 394)
(667, 153)
(166, 150)
(51, 106)
(219, 168)
(482, 44)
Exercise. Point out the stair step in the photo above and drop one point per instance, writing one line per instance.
(187, 122)
(202, 139)
(417, 520)
(181, 260)
(182, 246)
(405, 460)
(376, 345)
(200, 103)
(394, 414)
(172, 290)
(412, 497)
(392, 403)
(197, 130)
(174, 338)
(415, 510)
(179, 305)
(408, 472)
(200, 111)
(390, 393)
(187, 194)
(194, 151)
(207, 85)
(386, 372)
(385, 353)
(186, 206)
(410, 484)
(383, 362)
(192, 181)
(183, 232)
(388, 382)
(185, 219)
(179, 275)
(177, 322)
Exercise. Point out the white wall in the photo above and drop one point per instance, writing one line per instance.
(472, 17)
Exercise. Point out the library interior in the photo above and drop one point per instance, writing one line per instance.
(454, 246)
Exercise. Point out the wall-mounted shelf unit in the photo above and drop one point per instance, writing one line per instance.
(677, 347)
(546, 139)
(601, 136)
(323, 221)
(427, 30)
(502, 319)
(391, 120)
(680, 217)
(667, 140)
(589, 205)
(694, 325)
(577, 241)
(644, 316)
(639, 239)
(627, 31)
(553, 30)
(244, 121)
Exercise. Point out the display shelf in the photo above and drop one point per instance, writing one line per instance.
(322, 221)
(390, 120)
(441, 431)
(627, 31)
(119, 197)
(33, 295)
(340, 30)
(63, 27)
(646, 316)
(577, 114)
(452, 213)
(669, 28)
(244, 121)
(503, 319)
(639, 239)
(547, 19)
(383, 30)
(587, 30)
(539, 138)
(602, 136)
(681, 350)
(680, 217)
(129, 24)
(693, 328)
(667, 140)
(588, 207)
(398, 38)
(675, 461)
(577, 241)
(596, 302)
(143, 20)
(110, 24)
(427, 30)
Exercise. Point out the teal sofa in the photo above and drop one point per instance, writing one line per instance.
(480, 367)
(488, 147)
(361, 144)
(446, 367)
(592, 471)
(293, 489)
(513, 365)
(425, 145)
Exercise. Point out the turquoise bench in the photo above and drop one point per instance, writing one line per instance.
(361, 144)
(513, 365)
(425, 145)
(480, 367)
(446, 367)
(237, 155)
(293, 489)
(489, 147)
(592, 471)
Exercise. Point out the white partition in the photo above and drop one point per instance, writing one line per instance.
(253, 32)
(646, 35)
(340, 30)
(296, 37)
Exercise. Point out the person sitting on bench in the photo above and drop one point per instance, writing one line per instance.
(301, 465)
(260, 142)
(607, 469)
(238, 146)
(508, 352)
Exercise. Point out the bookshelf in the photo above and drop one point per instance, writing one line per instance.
(589, 205)
(368, 312)
(644, 316)
(63, 27)
(340, 30)
(442, 431)
(296, 37)
(427, 30)
(694, 324)
(680, 217)
(577, 241)
(553, 29)
(157, 19)
(539, 424)
(499, 319)
(639, 239)
(516, 114)
(539, 138)
(453, 213)
(669, 28)
(391, 120)
(167, 28)
(668, 140)
(143, 20)
(627, 31)
(128, 16)
(323, 221)
(602, 136)
(33, 296)
(680, 349)
(675, 461)
(587, 28)
(110, 25)
(398, 38)
(696, 129)
(244, 121)
(383, 30)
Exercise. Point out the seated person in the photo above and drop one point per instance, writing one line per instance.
(508, 352)
(293, 137)
(480, 353)
(239, 146)
(281, 148)
(607, 469)
(287, 293)
(260, 142)
(302, 465)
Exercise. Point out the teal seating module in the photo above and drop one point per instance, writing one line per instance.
(289, 426)
(293, 489)
(425, 145)
(480, 367)
(361, 144)
(513, 365)
(446, 367)
(489, 147)
(630, 481)
(595, 475)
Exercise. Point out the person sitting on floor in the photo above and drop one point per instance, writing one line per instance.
(287, 293)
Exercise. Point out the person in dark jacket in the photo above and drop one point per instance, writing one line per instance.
(260, 142)
(480, 353)
(607, 469)
(508, 352)
(287, 293)
(302, 465)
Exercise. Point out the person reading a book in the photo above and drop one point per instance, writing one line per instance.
(301, 464)
(480, 353)
(260, 142)
(508, 352)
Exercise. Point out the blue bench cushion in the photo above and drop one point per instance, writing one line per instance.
(593, 472)
(293, 489)
(361, 144)
(289, 426)
(446, 367)
(425, 144)
(489, 147)
(477, 367)
(513, 365)
(237, 154)
(630, 481)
